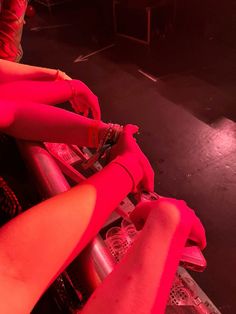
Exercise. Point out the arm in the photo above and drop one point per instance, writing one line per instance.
(38, 244)
(50, 93)
(11, 71)
(147, 271)
(38, 122)
(53, 93)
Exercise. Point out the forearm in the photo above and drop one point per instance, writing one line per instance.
(11, 71)
(160, 247)
(39, 243)
(50, 93)
(40, 122)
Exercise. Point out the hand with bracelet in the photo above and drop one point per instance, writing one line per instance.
(128, 154)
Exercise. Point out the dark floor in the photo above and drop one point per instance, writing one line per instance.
(187, 117)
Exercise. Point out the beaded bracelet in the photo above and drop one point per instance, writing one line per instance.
(110, 137)
(106, 136)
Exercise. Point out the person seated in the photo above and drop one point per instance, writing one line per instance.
(38, 244)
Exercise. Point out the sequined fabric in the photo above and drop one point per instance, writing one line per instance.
(11, 24)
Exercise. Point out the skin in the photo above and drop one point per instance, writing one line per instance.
(11, 72)
(33, 121)
(48, 86)
(141, 282)
(38, 244)
(60, 228)
(55, 231)
(33, 118)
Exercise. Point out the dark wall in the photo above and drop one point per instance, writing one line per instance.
(224, 21)
(209, 18)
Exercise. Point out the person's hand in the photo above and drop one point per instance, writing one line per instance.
(83, 98)
(171, 210)
(127, 147)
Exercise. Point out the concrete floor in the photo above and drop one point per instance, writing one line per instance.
(187, 118)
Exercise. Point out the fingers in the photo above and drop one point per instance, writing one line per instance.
(130, 129)
(92, 102)
(196, 230)
(128, 140)
(148, 179)
(82, 106)
(83, 109)
(95, 108)
(198, 233)
(141, 212)
(147, 182)
(86, 112)
(127, 144)
(85, 96)
(73, 105)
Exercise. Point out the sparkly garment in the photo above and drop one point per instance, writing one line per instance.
(11, 24)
